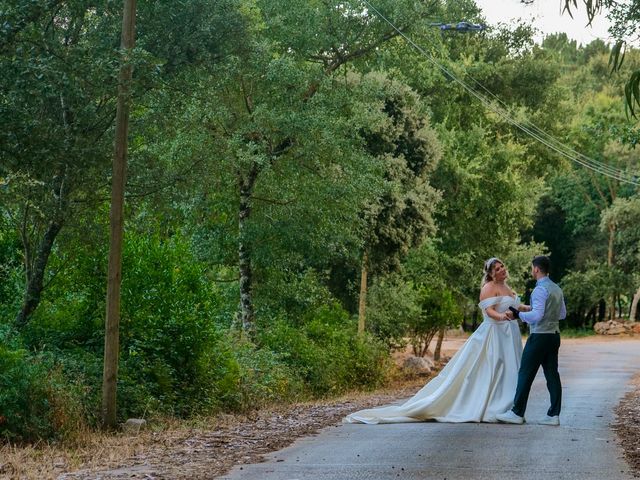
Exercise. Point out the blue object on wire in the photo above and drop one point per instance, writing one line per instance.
(460, 26)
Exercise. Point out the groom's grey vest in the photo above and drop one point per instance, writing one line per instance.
(550, 322)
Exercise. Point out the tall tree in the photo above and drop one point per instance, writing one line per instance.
(58, 103)
(624, 17)
(402, 217)
(624, 215)
(266, 116)
(56, 106)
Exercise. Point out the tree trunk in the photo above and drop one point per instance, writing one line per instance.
(619, 301)
(436, 353)
(426, 342)
(246, 311)
(246, 300)
(610, 252)
(114, 277)
(35, 272)
(363, 293)
(610, 259)
(634, 305)
(611, 308)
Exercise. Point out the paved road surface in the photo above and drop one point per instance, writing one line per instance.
(594, 374)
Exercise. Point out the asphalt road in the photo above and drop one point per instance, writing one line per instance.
(595, 375)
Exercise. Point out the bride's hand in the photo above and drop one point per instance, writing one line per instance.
(508, 316)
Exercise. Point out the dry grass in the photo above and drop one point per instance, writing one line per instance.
(88, 450)
(199, 448)
(205, 447)
(170, 440)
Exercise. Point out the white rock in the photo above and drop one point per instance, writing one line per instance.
(134, 425)
(601, 327)
(417, 365)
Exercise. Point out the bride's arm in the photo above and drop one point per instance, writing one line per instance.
(501, 317)
(489, 292)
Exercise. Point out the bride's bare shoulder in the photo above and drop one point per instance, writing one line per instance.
(488, 290)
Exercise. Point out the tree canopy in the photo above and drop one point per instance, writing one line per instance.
(290, 162)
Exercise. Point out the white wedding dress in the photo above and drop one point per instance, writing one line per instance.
(478, 382)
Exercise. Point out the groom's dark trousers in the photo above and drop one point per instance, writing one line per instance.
(541, 349)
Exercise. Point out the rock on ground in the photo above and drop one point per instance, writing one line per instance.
(417, 365)
(616, 327)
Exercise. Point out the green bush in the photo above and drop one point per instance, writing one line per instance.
(327, 353)
(291, 294)
(35, 400)
(24, 405)
(246, 377)
(392, 305)
(167, 326)
(11, 274)
(583, 290)
(438, 310)
(176, 356)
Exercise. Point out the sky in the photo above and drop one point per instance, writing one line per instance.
(546, 16)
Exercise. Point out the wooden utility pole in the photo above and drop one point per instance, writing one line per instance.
(112, 321)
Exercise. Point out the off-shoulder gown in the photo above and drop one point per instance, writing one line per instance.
(478, 382)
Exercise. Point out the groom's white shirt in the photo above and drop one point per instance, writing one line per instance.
(538, 302)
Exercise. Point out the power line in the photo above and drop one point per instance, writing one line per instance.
(549, 137)
(528, 128)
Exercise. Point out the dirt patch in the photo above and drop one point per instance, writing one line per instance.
(627, 426)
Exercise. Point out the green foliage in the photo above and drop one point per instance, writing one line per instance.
(10, 273)
(401, 311)
(24, 406)
(402, 217)
(583, 290)
(291, 294)
(552, 229)
(167, 327)
(438, 310)
(392, 305)
(304, 134)
(35, 400)
(327, 353)
(248, 378)
(175, 358)
(624, 216)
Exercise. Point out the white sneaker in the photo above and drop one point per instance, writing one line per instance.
(553, 421)
(510, 417)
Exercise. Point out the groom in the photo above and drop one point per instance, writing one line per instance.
(547, 309)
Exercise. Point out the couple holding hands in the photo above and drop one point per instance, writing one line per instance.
(490, 377)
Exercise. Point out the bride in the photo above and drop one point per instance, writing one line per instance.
(480, 380)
